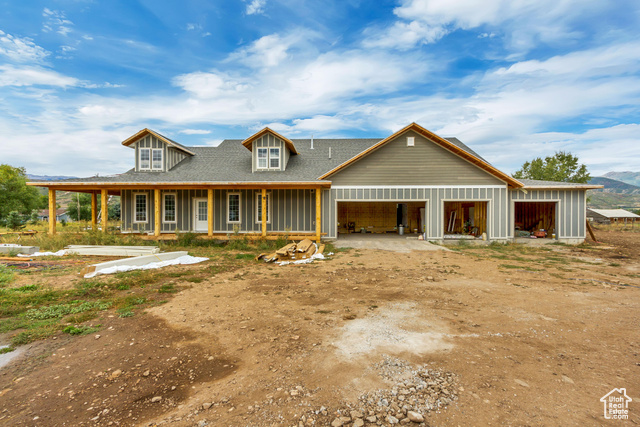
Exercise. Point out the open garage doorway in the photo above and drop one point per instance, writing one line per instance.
(535, 219)
(465, 220)
(381, 217)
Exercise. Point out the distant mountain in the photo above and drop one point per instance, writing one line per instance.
(632, 178)
(47, 177)
(614, 186)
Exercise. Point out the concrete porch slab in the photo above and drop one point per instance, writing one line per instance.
(386, 242)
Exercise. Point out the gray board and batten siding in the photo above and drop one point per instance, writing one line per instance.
(426, 163)
(571, 210)
(424, 172)
(170, 156)
(292, 211)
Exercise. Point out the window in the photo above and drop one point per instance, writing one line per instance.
(259, 208)
(233, 207)
(145, 159)
(140, 207)
(274, 158)
(411, 141)
(262, 158)
(269, 158)
(156, 164)
(169, 207)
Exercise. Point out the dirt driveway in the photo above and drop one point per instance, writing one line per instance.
(476, 336)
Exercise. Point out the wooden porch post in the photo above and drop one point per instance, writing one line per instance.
(104, 200)
(94, 211)
(210, 211)
(52, 211)
(264, 212)
(318, 213)
(156, 217)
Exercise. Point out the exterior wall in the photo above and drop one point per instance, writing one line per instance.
(292, 211)
(424, 164)
(570, 210)
(267, 141)
(174, 157)
(434, 198)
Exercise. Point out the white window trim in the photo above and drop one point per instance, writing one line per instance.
(164, 208)
(279, 160)
(258, 197)
(153, 150)
(146, 210)
(140, 159)
(239, 208)
(258, 158)
(279, 157)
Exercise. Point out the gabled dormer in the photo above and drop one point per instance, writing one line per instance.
(270, 151)
(155, 152)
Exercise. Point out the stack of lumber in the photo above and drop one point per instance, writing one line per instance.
(305, 249)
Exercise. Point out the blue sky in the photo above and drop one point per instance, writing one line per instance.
(514, 79)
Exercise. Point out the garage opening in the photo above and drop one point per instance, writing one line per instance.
(381, 217)
(465, 220)
(535, 219)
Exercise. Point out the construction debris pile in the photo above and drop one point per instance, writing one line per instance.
(295, 253)
(415, 393)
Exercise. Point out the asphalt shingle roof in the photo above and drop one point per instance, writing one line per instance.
(533, 183)
(231, 162)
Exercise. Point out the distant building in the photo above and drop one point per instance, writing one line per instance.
(61, 215)
(608, 216)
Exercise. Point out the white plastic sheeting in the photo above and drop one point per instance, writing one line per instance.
(184, 260)
(61, 252)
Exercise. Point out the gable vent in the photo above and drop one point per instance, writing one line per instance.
(411, 141)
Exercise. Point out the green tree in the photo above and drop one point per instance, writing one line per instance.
(85, 207)
(15, 220)
(15, 195)
(114, 209)
(562, 166)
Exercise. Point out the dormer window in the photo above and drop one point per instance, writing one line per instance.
(262, 158)
(274, 158)
(269, 158)
(156, 164)
(145, 158)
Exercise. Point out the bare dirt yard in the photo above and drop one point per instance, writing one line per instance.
(498, 335)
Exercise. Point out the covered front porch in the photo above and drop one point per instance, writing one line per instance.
(219, 212)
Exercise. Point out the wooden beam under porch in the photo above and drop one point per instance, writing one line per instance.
(227, 237)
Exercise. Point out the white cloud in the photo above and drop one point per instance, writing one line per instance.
(19, 49)
(30, 76)
(256, 7)
(195, 131)
(524, 22)
(273, 49)
(404, 35)
(56, 21)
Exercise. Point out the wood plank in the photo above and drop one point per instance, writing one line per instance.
(209, 211)
(52, 211)
(104, 199)
(264, 212)
(593, 236)
(94, 211)
(156, 218)
(318, 214)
